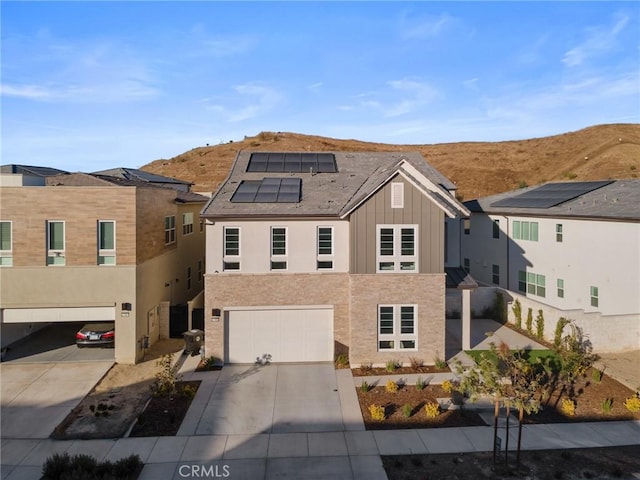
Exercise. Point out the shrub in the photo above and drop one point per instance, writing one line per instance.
(568, 407)
(517, 312)
(391, 386)
(432, 409)
(189, 391)
(342, 361)
(416, 362)
(406, 410)
(499, 308)
(540, 325)
(377, 412)
(166, 378)
(522, 184)
(448, 386)
(440, 363)
(607, 405)
(366, 367)
(530, 321)
(210, 363)
(392, 366)
(633, 403)
(596, 375)
(420, 384)
(63, 467)
(557, 337)
(365, 387)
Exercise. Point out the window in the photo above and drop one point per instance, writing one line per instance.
(496, 229)
(525, 230)
(324, 259)
(169, 230)
(397, 329)
(559, 232)
(560, 287)
(466, 225)
(495, 274)
(594, 296)
(188, 278)
(532, 283)
(106, 242)
(397, 251)
(466, 264)
(187, 223)
(231, 259)
(6, 244)
(55, 243)
(278, 248)
(397, 195)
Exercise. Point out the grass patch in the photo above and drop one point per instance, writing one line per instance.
(531, 355)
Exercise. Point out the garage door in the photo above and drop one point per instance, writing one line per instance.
(291, 335)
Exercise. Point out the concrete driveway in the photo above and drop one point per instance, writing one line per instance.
(248, 400)
(35, 398)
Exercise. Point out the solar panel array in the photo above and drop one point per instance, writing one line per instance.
(269, 190)
(550, 195)
(292, 162)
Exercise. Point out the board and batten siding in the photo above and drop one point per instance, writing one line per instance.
(417, 210)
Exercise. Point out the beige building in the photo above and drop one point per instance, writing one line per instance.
(311, 255)
(88, 247)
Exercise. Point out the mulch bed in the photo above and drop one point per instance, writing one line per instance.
(365, 372)
(409, 395)
(163, 415)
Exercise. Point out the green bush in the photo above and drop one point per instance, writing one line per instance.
(406, 410)
(342, 361)
(166, 378)
(557, 337)
(607, 405)
(365, 386)
(420, 384)
(530, 321)
(392, 366)
(85, 467)
(517, 313)
(596, 375)
(540, 325)
(439, 362)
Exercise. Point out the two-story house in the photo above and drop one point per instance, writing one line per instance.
(311, 255)
(570, 249)
(86, 248)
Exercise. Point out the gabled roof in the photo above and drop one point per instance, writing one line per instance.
(141, 175)
(359, 175)
(31, 170)
(613, 200)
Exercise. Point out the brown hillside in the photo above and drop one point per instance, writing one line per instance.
(479, 168)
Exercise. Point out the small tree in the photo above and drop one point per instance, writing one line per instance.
(530, 321)
(557, 337)
(166, 378)
(517, 313)
(575, 356)
(499, 308)
(540, 325)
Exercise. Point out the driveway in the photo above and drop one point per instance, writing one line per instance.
(248, 400)
(35, 398)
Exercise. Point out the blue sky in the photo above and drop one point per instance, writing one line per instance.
(92, 85)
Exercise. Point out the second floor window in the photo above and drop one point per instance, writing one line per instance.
(6, 244)
(532, 283)
(325, 248)
(496, 229)
(169, 229)
(187, 223)
(55, 242)
(231, 260)
(106, 242)
(525, 230)
(278, 248)
(559, 236)
(397, 248)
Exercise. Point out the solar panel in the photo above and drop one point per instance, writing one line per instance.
(269, 190)
(550, 195)
(293, 162)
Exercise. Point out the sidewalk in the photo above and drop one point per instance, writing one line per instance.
(353, 454)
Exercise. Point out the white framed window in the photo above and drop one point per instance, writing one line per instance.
(187, 223)
(559, 235)
(593, 291)
(466, 225)
(6, 243)
(397, 248)
(397, 327)
(169, 229)
(525, 230)
(397, 195)
(55, 242)
(231, 257)
(106, 242)
(532, 283)
(278, 248)
(324, 260)
(560, 287)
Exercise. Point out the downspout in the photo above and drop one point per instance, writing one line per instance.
(508, 256)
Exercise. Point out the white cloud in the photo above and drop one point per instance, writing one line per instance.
(425, 27)
(599, 40)
(419, 94)
(251, 100)
(203, 43)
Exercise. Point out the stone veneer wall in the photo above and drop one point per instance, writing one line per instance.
(227, 290)
(427, 291)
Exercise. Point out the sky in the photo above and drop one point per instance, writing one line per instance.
(92, 85)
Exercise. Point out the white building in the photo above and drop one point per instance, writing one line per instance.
(569, 249)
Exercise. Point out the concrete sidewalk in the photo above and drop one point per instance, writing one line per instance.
(352, 454)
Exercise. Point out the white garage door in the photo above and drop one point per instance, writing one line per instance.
(292, 335)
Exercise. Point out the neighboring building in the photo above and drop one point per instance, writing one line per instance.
(571, 249)
(311, 255)
(26, 175)
(98, 248)
(147, 177)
